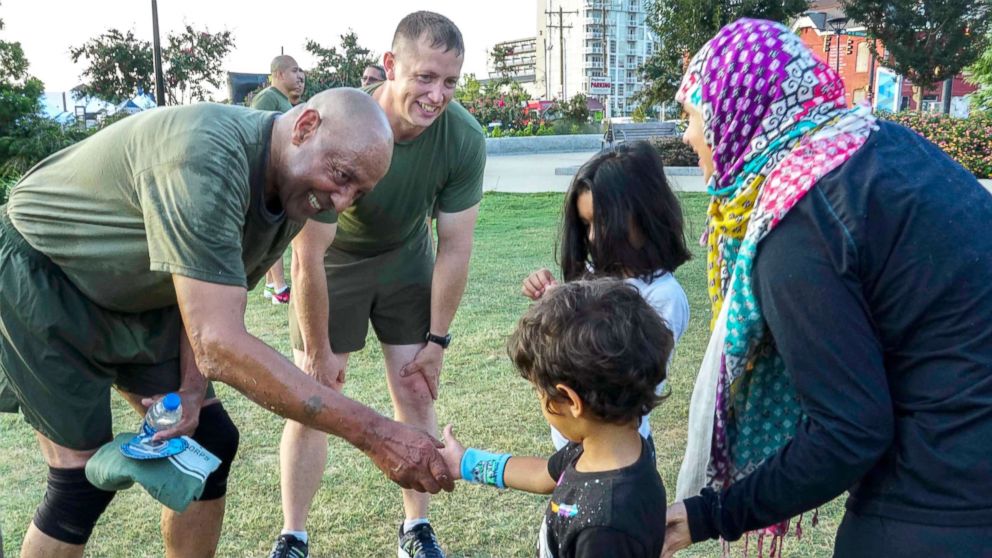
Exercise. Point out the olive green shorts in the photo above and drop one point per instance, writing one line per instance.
(392, 290)
(60, 353)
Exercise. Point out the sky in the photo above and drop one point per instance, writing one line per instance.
(47, 29)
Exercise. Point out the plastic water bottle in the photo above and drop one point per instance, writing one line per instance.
(164, 414)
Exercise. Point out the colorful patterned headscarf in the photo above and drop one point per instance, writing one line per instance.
(777, 121)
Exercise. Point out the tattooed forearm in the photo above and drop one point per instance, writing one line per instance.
(313, 406)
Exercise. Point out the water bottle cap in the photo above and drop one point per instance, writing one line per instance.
(171, 402)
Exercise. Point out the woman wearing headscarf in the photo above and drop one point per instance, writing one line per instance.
(850, 277)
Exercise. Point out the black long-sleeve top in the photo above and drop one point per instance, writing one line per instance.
(877, 290)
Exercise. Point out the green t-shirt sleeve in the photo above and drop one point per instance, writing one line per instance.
(194, 214)
(464, 187)
(328, 217)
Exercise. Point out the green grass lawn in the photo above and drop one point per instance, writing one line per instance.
(357, 511)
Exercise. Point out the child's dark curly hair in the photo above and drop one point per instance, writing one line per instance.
(600, 338)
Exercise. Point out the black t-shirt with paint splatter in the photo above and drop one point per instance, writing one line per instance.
(619, 513)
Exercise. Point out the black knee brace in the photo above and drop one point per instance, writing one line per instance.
(71, 506)
(218, 435)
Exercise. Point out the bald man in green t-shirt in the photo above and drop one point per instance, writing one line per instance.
(287, 86)
(376, 263)
(127, 258)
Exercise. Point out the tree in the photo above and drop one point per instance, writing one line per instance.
(337, 69)
(684, 26)
(26, 135)
(928, 40)
(192, 59)
(980, 74)
(119, 66)
(498, 56)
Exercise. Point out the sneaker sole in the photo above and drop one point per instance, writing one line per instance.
(400, 553)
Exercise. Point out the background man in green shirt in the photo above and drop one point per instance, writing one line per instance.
(287, 86)
(126, 262)
(377, 263)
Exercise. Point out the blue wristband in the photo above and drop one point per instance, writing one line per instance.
(483, 467)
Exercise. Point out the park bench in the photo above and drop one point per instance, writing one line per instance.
(621, 133)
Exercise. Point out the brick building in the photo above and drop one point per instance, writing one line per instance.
(849, 51)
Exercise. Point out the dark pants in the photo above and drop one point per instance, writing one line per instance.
(871, 536)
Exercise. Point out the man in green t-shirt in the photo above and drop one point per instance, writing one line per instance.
(377, 263)
(126, 263)
(287, 86)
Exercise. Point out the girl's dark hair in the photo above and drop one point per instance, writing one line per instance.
(631, 200)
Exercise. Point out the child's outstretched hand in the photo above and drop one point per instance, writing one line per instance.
(538, 283)
(452, 452)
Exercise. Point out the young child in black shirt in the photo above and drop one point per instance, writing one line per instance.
(594, 350)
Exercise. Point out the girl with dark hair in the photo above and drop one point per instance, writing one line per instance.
(622, 220)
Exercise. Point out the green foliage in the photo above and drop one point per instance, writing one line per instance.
(675, 153)
(966, 140)
(501, 101)
(119, 66)
(25, 136)
(980, 74)
(684, 26)
(337, 68)
(33, 138)
(576, 109)
(6, 183)
(192, 59)
(928, 41)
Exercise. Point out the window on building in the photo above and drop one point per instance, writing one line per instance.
(861, 65)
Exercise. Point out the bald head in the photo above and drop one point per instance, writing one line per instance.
(353, 113)
(329, 151)
(287, 77)
(282, 62)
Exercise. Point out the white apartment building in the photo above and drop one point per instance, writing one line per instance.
(594, 47)
(520, 64)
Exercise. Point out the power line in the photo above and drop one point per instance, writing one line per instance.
(561, 42)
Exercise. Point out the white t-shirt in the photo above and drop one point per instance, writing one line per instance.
(665, 295)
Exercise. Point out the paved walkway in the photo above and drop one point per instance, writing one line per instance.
(537, 173)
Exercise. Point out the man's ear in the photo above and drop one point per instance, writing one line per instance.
(570, 401)
(389, 63)
(306, 126)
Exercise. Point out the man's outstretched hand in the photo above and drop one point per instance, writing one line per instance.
(410, 458)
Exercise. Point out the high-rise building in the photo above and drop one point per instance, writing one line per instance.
(594, 47)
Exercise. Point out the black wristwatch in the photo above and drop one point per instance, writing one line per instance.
(443, 341)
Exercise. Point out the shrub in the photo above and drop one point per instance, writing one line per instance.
(674, 153)
(966, 140)
(5, 185)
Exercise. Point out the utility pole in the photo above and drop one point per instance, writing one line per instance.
(561, 42)
(605, 41)
(157, 58)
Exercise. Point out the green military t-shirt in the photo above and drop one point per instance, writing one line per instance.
(169, 191)
(271, 98)
(442, 167)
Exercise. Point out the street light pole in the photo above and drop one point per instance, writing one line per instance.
(157, 58)
(838, 24)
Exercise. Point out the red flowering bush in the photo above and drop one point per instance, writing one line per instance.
(967, 140)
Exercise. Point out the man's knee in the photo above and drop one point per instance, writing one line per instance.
(71, 506)
(218, 435)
